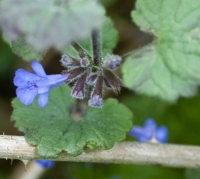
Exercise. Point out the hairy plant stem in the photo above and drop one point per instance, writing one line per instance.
(96, 46)
(15, 147)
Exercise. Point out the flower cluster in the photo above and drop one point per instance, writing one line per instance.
(85, 72)
(30, 85)
(150, 132)
(81, 70)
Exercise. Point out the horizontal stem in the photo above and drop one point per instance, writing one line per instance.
(15, 147)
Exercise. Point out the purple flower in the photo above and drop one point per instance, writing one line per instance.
(96, 95)
(112, 61)
(96, 101)
(150, 132)
(30, 85)
(45, 163)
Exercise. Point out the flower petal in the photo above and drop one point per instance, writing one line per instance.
(19, 81)
(43, 99)
(38, 68)
(56, 80)
(45, 163)
(22, 77)
(95, 101)
(26, 95)
(141, 134)
(150, 124)
(42, 90)
(162, 134)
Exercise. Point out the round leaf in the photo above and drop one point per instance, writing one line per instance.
(53, 130)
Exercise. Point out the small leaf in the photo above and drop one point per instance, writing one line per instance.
(49, 22)
(53, 130)
(169, 67)
(24, 50)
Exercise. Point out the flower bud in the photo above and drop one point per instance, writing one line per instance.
(68, 61)
(84, 62)
(112, 61)
(96, 97)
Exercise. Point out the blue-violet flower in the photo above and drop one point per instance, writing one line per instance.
(150, 132)
(45, 163)
(30, 85)
(112, 61)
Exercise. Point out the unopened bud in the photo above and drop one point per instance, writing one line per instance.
(112, 61)
(84, 62)
(95, 101)
(97, 93)
(68, 61)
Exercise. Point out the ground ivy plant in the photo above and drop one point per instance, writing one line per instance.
(54, 116)
(67, 111)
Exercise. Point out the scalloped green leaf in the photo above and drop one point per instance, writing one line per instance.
(169, 67)
(109, 37)
(25, 51)
(49, 23)
(53, 130)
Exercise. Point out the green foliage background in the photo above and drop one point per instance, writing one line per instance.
(182, 118)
